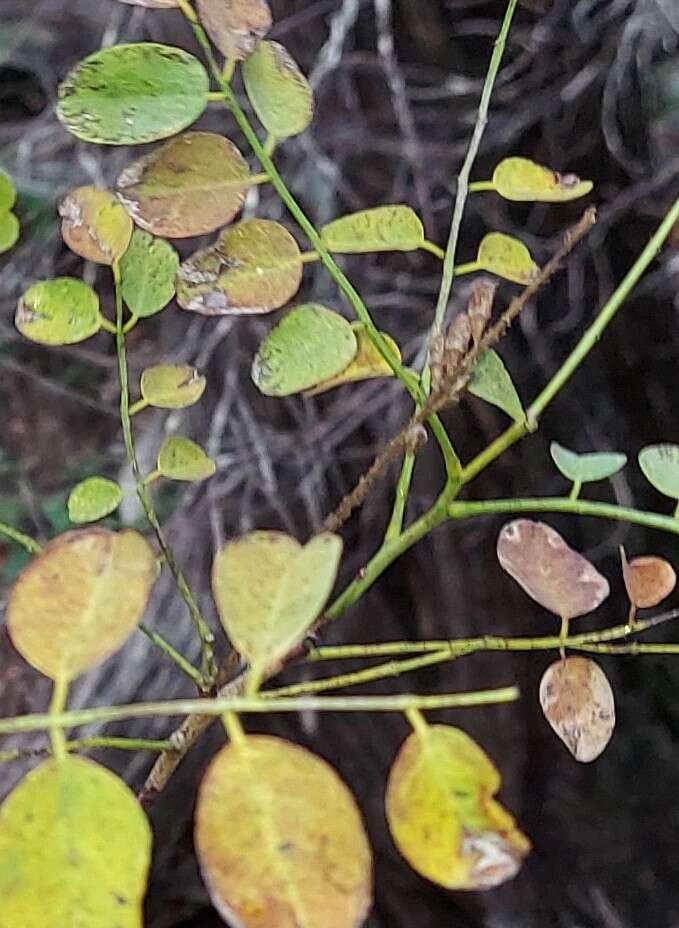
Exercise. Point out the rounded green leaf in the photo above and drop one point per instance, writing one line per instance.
(279, 93)
(660, 466)
(58, 312)
(94, 225)
(236, 26)
(75, 849)
(522, 180)
(254, 267)
(491, 382)
(172, 386)
(92, 499)
(265, 612)
(193, 184)
(8, 192)
(130, 94)
(442, 815)
(78, 601)
(182, 459)
(384, 228)
(367, 363)
(586, 468)
(308, 346)
(507, 257)
(148, 269)
(9, 231)
(280, 840)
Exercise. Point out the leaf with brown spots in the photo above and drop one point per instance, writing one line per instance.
(94, 225)
(648, 579)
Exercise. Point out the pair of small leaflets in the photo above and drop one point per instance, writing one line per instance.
(9, 224)
(236, 26)
(278, 92)
(575, 695)
(660, 466)
(280, 840)
(585, 468)
(255, 266)
(522, 180)
(442, 814)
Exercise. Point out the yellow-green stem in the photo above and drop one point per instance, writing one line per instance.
(57, 705)
(27, 543)
(417, 722)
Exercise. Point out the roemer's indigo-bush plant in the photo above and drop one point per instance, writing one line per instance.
(278, 835)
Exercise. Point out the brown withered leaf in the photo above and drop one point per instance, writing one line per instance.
(550, 571)
(578, 703)
(648, 579)
(235, 26)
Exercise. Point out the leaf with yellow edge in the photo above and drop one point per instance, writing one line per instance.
(75, 849)
(94, 225)
(182, 459)
(62, 311)
(76, 603)
(280, 840)
(278, 91)
(442, 815)
(383, 228)
(235, 26)
(172, 386)
(265, 612)
(523, 180)
(254, 267)
(93, 498)
(507, 257)
(367, 363)
(191, 185)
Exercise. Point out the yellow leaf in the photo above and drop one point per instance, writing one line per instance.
(522, 180)
(442, 815)
(280, 840)
(77, 602)
(94, 225)
(367, 363)
(507, 257)
(75, 849)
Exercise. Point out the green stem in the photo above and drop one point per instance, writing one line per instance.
(130, 324)
(208, 666)
(106, 325)
(471, 267)
(121, 744)
(575, 489)
(138, 406)
(151, 477)
(216, 707)
(269, 145)
(479, 185)
(395, 526)
(174, 655)
(253, 179)
(57, 705)
(229, 69)
(418, 723)
(233, 728)
(29, 544)
(676, 511)
(308, 256)
(434, 249)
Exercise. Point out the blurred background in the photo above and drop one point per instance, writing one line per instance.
(590, 86)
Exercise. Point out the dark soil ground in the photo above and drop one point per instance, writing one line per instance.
(590, 86)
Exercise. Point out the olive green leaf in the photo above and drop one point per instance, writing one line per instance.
(307, 347)
(75, 849)
(660, 466)
(279, 93)
(182, 459)
(130, 94)
(192, 185)
(280, 840)
(172, 386)
(523, 180)
(147, 270)
(9, 231)
(383, 228)
(491, 382)
(8, 192)
(269, 589)
(235, 26)
(586, 468)
(367, 363)
(92, 499)
(507, 257)
(94, 225)
(78, 601)
(254, 267)
(58, 312)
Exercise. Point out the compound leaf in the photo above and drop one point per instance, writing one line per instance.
(131, 94)
(660, 466)
(280, 840)
(75, 603)
(62, 311)
(586, 468)
(182, 459)
(367, 363)
(507, 257)
(491, 382)
(383, 228)
(266, 612)
(75, 849)
(93, 498)
(147, 270)
(522, 180)
(278, 91)
(172, 386)
(442, 815)
(235, 26)
(94, 225)
(307, 347)
(192, 185)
